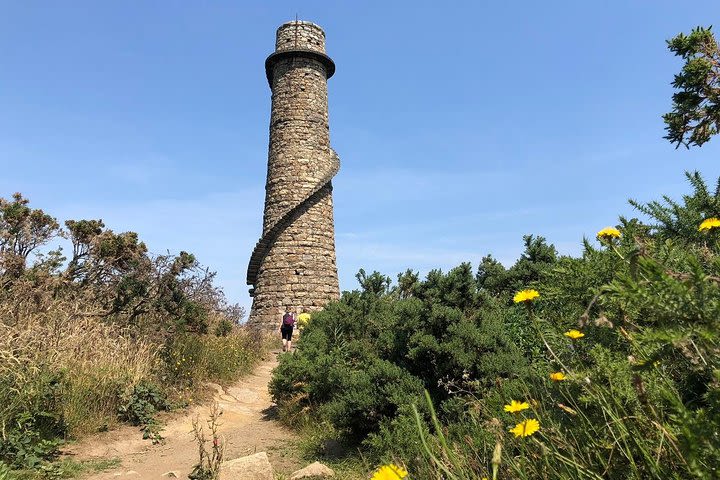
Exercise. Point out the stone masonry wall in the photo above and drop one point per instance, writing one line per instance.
(299, 270)
(300, 35)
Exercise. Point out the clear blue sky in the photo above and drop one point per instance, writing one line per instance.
(461, 125)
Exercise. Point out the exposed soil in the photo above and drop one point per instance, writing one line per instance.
(246, 423)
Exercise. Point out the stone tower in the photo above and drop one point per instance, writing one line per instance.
(293, 263)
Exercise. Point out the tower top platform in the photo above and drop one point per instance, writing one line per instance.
(300, 35)
(299, 38)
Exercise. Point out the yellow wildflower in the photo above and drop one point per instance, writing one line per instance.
(557, 376)
(526, 296)
(390, 472)
(608, 233)
(574, 334)
(709, 224)
(516, 406)
(526, 428)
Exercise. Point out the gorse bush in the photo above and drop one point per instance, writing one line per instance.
(630, 329)
(613, 357)
(109, 334)
(365, 360)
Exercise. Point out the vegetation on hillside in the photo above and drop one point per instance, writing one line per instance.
(616, 357)
(602, 366)
(106, 334)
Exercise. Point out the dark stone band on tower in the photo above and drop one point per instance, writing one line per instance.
(274, 58)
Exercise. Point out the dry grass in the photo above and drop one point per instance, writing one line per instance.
(51, 355)
(80, 366)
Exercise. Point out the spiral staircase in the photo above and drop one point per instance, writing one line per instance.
(271, 234)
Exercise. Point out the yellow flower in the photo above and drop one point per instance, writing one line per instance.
(608, 233)
(709, 224)
(390, 472)
(574, 334)
(526, 428)
(516, 406)
(526, 296)
(557, 376)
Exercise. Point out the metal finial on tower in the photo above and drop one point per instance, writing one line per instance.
(296, 29)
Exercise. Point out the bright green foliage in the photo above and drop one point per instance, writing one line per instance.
(32, 439)
(363, 361)
(495, 280)
(695, 117)
(680, 220)
(641, 394)
(140, 407)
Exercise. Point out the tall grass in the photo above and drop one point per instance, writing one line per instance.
(192, 359)
(64, 375)
(78, 367)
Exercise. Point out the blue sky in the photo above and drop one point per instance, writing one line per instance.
(461, 125)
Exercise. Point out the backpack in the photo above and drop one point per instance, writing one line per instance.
(288, 319)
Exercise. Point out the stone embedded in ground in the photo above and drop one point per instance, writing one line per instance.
(314, 470)
(219, 390)
(252, 467)
(171, 474)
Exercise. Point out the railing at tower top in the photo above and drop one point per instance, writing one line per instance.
(263, 246)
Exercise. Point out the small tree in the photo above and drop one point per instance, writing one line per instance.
(22, 230)
(695, 116)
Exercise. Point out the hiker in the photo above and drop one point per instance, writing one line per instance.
(286, 329)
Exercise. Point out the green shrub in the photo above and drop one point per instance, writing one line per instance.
(223, 328)
(363, 361)
(641, 395)
(140, 407)
(4, 471)
(31, 440)
(231, 356)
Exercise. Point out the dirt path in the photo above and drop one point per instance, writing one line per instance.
(246, 424)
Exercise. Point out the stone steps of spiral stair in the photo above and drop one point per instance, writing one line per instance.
(262, 247)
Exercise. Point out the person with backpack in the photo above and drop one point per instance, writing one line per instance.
(286, 329)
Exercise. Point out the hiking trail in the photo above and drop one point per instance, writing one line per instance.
(246, 424)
